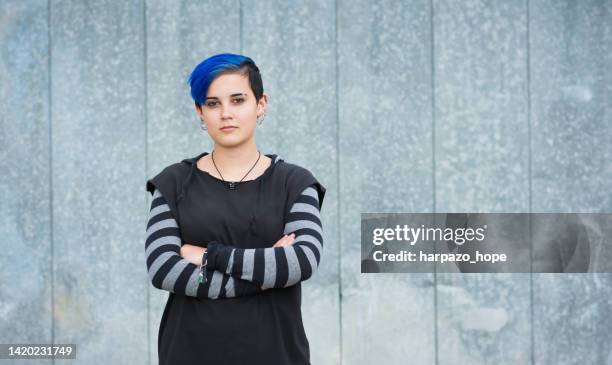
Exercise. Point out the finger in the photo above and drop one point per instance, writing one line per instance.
(280, 242)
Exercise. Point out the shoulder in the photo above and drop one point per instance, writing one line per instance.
(294, 173)
(297, 179)
(168, 177)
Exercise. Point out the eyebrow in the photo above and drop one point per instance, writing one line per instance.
(238, 94)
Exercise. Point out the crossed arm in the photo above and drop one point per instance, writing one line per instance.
(278, 267)
(169, 271)
(233, 271)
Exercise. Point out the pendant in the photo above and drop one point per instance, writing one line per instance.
(232, 185)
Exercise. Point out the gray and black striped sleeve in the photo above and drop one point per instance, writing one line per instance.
(278, 267)
(169, 271)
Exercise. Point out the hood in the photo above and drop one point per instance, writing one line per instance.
(192, 165)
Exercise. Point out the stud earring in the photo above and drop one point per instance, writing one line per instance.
(203, 126)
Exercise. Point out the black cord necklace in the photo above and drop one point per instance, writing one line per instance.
(230, 184)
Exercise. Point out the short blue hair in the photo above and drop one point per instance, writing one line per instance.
(208, 70)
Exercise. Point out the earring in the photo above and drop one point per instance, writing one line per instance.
(203, 126)
(260, 120)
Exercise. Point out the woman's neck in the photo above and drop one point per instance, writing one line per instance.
(234, 160)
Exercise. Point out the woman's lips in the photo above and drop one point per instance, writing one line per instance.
(228, 129)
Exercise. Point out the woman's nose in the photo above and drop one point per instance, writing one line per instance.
(225, 112)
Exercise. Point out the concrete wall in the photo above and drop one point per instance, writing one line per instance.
(396, 106)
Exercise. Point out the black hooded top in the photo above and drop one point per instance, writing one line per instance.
(264, 328)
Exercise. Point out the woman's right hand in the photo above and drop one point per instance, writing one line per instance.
(285, 241)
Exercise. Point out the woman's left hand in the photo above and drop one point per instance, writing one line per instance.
(192, 253)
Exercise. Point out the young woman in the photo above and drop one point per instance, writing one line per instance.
(233, 233)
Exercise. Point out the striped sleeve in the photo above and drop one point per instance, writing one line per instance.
(278, 267)
(169, 271)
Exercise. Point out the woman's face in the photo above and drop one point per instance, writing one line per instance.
(231, 102)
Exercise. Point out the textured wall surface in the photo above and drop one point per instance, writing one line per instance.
(396, 106)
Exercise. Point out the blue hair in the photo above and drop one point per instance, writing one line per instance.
(208, 70)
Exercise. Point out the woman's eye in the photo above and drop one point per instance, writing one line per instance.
(212, 104)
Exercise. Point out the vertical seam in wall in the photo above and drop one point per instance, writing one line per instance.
(338, 182)
(433, 103)
(240, 21)
(529, 168)
(146, 157)
(433, 163)
(50, 164)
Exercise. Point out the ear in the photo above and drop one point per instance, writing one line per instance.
(262, 103)
(198, 109)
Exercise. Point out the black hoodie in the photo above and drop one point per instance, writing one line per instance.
(265, 328)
